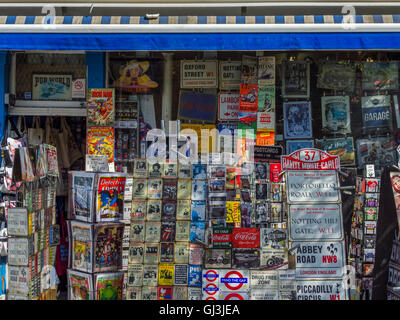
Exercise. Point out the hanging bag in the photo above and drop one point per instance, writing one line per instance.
(73, 150)
(62, 147)
(35, 134)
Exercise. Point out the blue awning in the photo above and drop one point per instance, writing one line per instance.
(163, 33)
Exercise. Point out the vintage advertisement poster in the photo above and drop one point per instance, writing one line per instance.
(150, 275)
(197, 231)
(168, 231)
(229, 75)
(100, 141)
(273, 238)
(96, 163)
(196, 252)
(151, 252)
(199, 74)
(376, 112)
(208, 138)
(135, 275)
(82, 246)
(248, 98)
(294, 145)
(82, 196)
(181, 252)
(180, 293)
(153, 210)
(315, 222)
(137, 231)
(108, 286)
(168, 210)
(164, 293)
(154, 189)
(100, 107)
(139, 189)
(310, 159)
(110, 197)
(336, 75)
(336, 113)
(221, 237)
(312, 186)
(52, 87)
(382, 75)
(218, 258)
(181, 275)
(233, 212)
(297, 120)
(342, 147)
(138, 211)
(323, 259)
(136, 251)
(183, 210)
(184, 189)
(228, 106)
(153, 231)
(194, 275)
(249, 70)
(167, 252)
(380, 151)
(321, 290)
(80, 285)
(140, 168)
(264, 294)
(166, 274)
(273, 259)
(266, 71)
(266, 99)
(108, 246)
(182, 230)
(246, 237)
(246, 258)
(296, 79)
(17, 222)
(133, 293)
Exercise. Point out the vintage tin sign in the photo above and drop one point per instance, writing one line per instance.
(136, 252)
(228, 106)
(224, 295)
(221, 237)
(218, 258)
(166, 274)
(184, 189)
(135, 275)
(274, 238)
(153, 210)
(19, 251)
(273, 259)
(181, 275)
(210, 284)
(180, 293)
(234, 280)
(310, 159)
(168, 231)
(246, 237)
(245, 258)
(138, 212)
(264, 279)
(321, 290)
(264, 294)
(196, 254)
(266, 71)
(133, 293)
(166, 252)
(181, 252)
(319, 259)
(183, 211)
(194, 293)
(154, 188)
(153, 231)
(312, 186)
(150, 275)
(151, 252)
(229, 75)
(18, 280)
(315, 222)
(182, 230)
(164, 293)
(195, 275)
(199, 74)
(137, 231)
(17, 222)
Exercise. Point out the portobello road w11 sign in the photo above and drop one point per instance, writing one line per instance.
(310, 159)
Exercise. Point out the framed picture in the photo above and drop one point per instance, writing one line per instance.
(52, 87)
(342, 147)
(296, 79)
(294, 145)
(379, 151)
(336, 114)
(376, 112)
(297, 120)
(380, 75)
(336, 75)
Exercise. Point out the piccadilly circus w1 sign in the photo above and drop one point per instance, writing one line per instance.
(310, 159)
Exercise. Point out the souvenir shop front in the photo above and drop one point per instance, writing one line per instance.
(175, 158)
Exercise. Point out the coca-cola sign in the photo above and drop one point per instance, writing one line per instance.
(222, 237)
(246, 238)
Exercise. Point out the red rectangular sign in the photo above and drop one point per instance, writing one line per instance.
(310, 159)
(274, 171)
(246, 237)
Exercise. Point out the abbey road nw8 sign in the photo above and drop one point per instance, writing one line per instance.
(319, 259)
(315, 222)
(312, 186)
(310, 159)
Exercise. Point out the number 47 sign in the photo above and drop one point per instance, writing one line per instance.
(310, 159)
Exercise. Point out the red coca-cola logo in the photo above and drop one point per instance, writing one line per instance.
(246, 238)
(221, 237)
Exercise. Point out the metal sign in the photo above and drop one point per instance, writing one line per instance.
(315, 222)
(310, 159)
(199, 74)
(323, 259)
(312, 187)
(228, 106)
(234, 280)
(229, 74)
(321, 290)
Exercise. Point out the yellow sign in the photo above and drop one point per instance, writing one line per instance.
(265, 138)
(166, 274)
(233, 212)
(209, 133)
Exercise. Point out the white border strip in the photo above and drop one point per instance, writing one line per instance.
(201, 28)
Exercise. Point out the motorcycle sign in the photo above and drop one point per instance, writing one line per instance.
(218, 258)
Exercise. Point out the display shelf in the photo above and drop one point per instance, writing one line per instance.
(43, 111)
